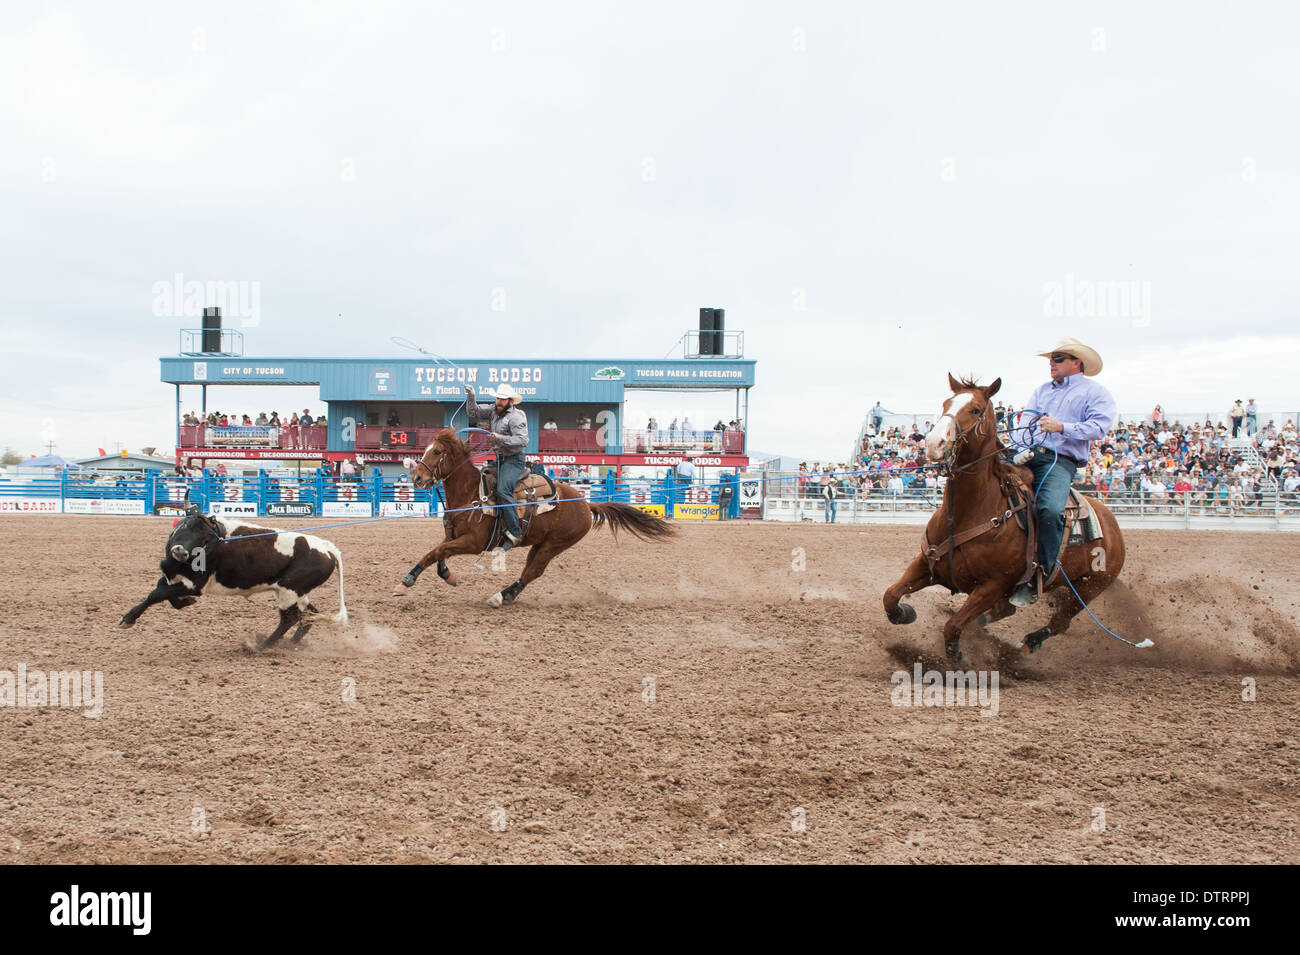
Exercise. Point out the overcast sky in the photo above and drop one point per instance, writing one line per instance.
(877, 194)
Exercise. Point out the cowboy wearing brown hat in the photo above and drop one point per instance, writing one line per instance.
(1072, 412)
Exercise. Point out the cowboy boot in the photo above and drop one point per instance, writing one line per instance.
(1025, 593)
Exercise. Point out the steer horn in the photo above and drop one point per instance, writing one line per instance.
(179, 553)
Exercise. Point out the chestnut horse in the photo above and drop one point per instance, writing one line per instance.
(990, 547)
(470, 529)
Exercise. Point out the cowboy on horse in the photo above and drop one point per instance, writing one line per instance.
(509, 430)
(1073, 411)
(1001, 522)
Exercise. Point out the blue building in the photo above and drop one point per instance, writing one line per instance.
(381, 410)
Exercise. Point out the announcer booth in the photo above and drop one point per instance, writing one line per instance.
(379, 411)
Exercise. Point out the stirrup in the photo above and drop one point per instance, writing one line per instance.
(1023, 595)
(508, 541)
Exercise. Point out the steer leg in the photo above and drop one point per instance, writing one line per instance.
(304, 623)
(288, 617)
(162, 592)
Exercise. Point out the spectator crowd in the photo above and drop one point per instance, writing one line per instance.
(294, 428)
(1232, 465)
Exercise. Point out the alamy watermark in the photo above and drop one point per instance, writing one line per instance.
(178, 298)
(1098, 298)
(32, 689)
(946, 688)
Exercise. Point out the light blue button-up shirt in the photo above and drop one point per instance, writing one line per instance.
(1083, 405)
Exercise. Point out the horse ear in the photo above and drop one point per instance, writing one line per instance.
(953, 383)
(992, 389)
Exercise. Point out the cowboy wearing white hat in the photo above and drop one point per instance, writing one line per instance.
(509, 430)
(1058, 424)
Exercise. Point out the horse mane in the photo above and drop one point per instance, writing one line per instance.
(968, 383)
(448, 436)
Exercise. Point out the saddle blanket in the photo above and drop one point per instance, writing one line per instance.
(1086, 525)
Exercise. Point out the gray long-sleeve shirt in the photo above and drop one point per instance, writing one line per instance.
(512, 426)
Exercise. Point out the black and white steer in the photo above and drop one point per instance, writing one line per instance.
(227, 556)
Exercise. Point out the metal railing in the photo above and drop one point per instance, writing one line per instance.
(231, 342)
(643, 440)
(732, 344)
(284, 437)
(1264, 509)
(318, 494)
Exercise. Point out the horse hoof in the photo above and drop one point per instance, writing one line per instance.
(904, 614)
(453, 580)
(126, 624)
(953, 652)
(400, 590)
(1035, 640)
(495, 600)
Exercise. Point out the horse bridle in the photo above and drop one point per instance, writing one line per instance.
(950, 456)
(433, 473)
(949, 459)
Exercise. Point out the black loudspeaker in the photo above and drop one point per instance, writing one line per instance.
(706, 331)
(719, 325)
(212, 329)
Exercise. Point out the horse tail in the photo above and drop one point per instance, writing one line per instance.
(631, 519)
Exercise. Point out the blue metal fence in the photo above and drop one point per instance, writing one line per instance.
(310, 494)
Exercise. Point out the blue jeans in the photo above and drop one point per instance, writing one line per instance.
(509, 471)
(1052, 484)
(830, 510)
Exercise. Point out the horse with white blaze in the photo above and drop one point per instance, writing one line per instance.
(227, 556)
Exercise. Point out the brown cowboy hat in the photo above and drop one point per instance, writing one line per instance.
(1072, 346)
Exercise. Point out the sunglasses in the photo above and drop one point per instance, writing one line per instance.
(1057, 359)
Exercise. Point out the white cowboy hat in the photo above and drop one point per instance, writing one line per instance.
(1072, 346)
(505, 391)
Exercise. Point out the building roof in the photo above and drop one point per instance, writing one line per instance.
(138, 460)
(432, 380)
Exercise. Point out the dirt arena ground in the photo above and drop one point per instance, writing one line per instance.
(535, 734)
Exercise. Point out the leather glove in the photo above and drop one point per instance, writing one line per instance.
(1024, 457)
(469, 391)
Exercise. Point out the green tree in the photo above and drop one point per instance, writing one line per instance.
(10, 457)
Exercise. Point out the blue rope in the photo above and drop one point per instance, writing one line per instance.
(1140, 646)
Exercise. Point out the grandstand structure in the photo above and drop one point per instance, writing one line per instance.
(380, 411)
